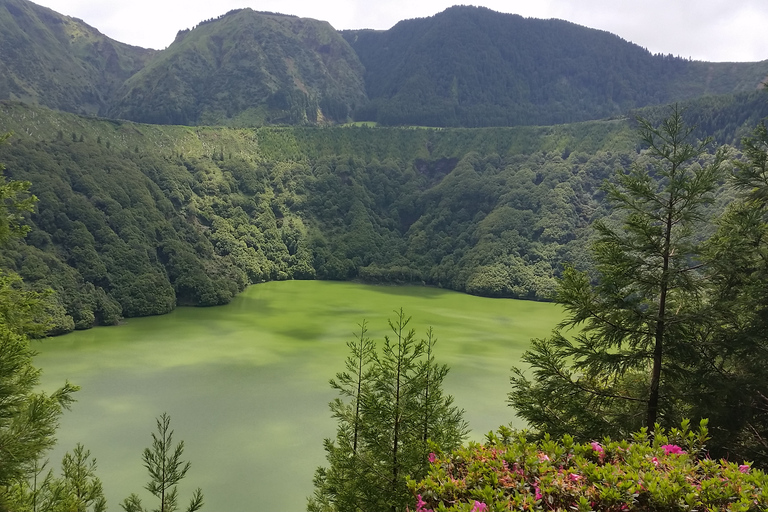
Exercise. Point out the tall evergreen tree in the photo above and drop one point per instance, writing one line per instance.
(402, 411)
(337, 488)
(733, 386)
(624, 368)
(441, 423)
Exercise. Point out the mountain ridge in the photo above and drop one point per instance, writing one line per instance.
(465, 66)
(513, 70)
(271, 65)
(59, 61)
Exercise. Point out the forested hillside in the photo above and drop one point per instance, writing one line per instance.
(470, 66)
(135, 219)
(466, 66)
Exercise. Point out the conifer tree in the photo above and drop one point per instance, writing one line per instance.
(339, 486)
(402, 412)
(79, 485)
(441, 422)
(166, 470)
(624, 367)
(731, 379)
(394, 436)
(78, 489)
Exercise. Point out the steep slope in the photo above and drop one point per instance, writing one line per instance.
(247, 68)
(470, 66)
(60, 62)
(134, 219)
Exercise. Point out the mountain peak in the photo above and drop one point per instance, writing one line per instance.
(465, 66)
(275, 69)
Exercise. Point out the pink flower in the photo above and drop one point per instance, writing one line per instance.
(596, 446)
(744, 468)
(480, 507)
(543, 457)
(538, 492)
(432, 457)
(574, 477)
(655, 461)
(672, 448)
(420, 504)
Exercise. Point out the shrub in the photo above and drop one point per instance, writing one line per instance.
(665, 471)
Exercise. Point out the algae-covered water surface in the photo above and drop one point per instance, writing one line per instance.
(246, 384)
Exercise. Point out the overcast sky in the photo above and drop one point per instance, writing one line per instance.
(711, 30)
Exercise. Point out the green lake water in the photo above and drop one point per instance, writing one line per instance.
(246, 384)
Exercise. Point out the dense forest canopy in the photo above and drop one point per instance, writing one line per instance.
(135, 219)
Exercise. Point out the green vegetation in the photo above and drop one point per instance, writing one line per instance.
(166, 470)
(28, 417)
(664, 472)
(635, 317)
(78, 487)
(50, 59)
(135, 219)
(470, 66)
(196, 215)
(672, 324)
(247, 69)
(466, 66)
(395, 413)
(661, 267)
(668, 329)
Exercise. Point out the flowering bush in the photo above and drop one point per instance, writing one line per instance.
(668, 471)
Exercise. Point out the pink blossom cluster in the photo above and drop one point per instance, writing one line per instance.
(672, 449)
(480, 507)
(546, 473)
(420, 504)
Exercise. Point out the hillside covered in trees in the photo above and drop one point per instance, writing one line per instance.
(50, 59)
(466, 66)
(135, 219)
(248, 69)
(471, 66)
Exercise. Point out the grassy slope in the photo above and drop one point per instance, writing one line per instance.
(59, 61)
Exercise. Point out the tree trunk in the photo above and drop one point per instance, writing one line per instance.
(658, 349)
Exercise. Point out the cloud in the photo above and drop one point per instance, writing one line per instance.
(713, 30)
